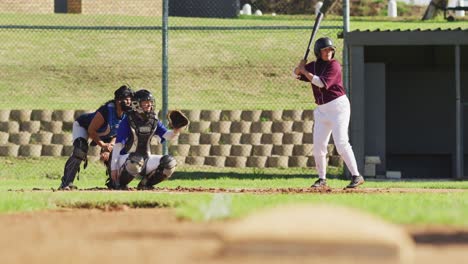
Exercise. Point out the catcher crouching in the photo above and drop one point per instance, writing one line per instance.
(131, 156)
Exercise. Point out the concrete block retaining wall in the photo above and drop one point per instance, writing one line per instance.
(219, 138)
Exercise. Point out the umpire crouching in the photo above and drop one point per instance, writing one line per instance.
(101, 126)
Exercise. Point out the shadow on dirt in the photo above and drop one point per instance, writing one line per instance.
(255, 174)
(458, 237)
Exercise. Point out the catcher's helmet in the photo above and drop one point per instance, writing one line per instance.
(140, 96)
(120, 94)
(123, 92)
(322, 43)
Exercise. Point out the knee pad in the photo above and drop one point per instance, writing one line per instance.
(167, 165)
(134, 164)
(163, 172)
(80, 148)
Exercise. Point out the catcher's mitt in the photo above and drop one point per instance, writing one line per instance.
(177, 119)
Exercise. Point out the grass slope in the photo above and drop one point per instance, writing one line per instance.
(240, 69)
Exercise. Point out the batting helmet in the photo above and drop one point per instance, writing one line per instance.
(322, 43)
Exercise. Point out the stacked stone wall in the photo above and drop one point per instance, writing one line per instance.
(232, 138)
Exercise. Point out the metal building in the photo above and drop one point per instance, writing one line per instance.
(204, 8)
(409, 101)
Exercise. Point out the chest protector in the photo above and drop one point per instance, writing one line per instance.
(142, 131)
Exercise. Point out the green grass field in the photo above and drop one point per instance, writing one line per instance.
(241, 69)
(227, 69)
(408, 208)
(18, 177)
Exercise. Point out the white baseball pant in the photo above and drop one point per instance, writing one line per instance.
(79, 131)
(151, 164)
(333, 118)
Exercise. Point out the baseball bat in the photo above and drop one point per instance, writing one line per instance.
(318, 19)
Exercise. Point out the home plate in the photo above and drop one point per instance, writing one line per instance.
(315, 234)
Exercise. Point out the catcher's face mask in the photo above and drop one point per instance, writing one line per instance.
(147, 106)
(143, 103)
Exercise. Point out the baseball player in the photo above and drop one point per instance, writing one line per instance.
(101, 126)
(131, 155)
(333, 110)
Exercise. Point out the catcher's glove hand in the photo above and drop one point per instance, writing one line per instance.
(177, 119)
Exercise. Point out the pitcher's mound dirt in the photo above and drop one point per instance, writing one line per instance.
(318, 234)
(125, 235)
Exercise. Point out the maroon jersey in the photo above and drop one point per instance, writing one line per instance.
(329, 73)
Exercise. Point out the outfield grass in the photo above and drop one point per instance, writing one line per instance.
(405, 208)
(18, 177)
(242, 69)
(45, 173)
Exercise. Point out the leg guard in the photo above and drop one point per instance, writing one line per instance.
(124, 179)
(109, 182)
(163, 172)
(72, 166)
(108, 165)
(80, 148)
(132, 167)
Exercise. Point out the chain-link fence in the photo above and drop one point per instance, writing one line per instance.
(76, 61)
(230, 73)
(233, 76)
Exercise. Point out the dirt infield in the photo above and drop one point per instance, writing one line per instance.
(123, 235)
(275, 190)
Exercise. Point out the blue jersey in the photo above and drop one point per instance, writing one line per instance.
(108, 111)
(124, 133)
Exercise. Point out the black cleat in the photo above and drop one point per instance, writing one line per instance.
(355, 182)
(143, 185)
(111, 184)
(319, 183)
(145, 188)
(124, 188)
(68, 187)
